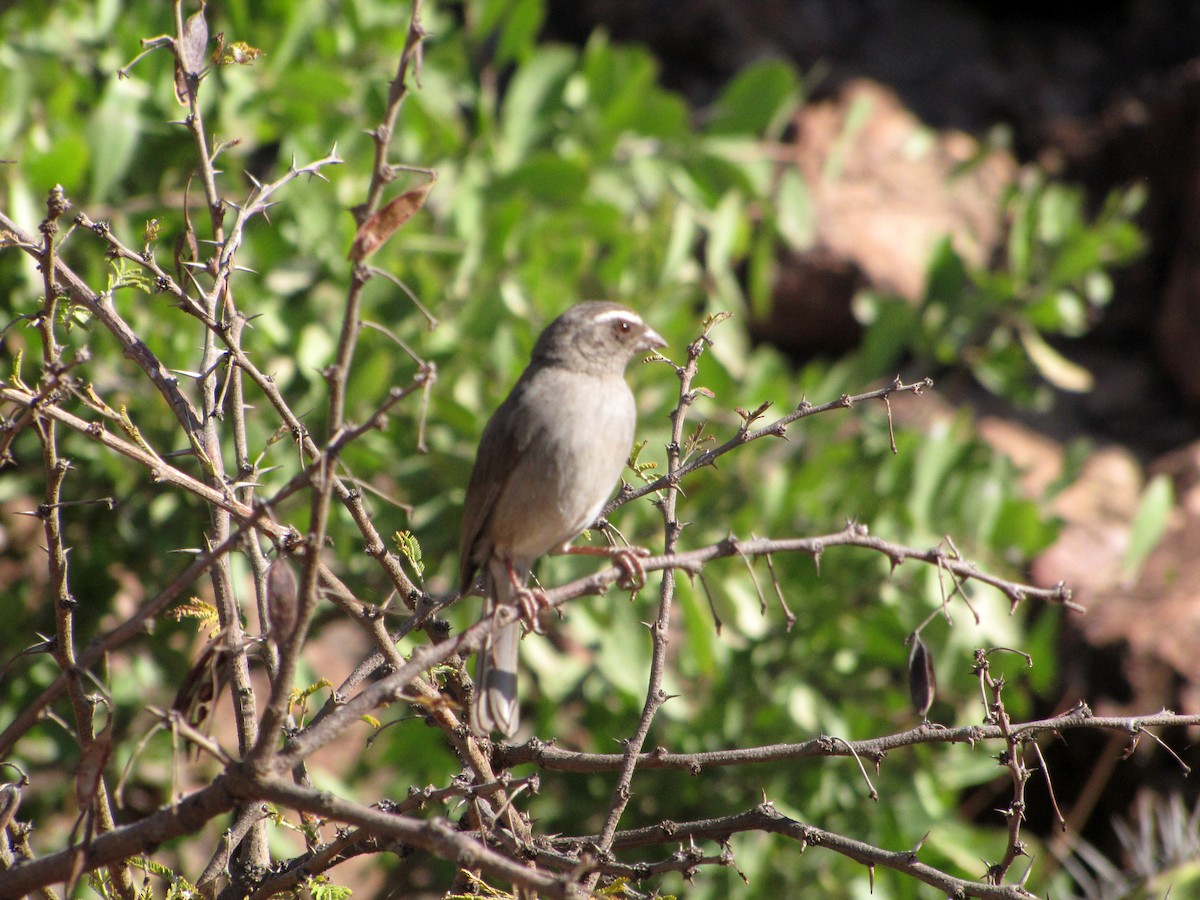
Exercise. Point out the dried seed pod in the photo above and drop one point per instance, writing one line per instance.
(193, 49)
(283, 600)
(922, 682)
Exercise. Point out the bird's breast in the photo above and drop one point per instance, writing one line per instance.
(575, 448)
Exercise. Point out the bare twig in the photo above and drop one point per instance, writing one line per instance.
(97, 807)
(551, 758)
(1011, 758)
(745, 435)
(660, 628)
(766, 818)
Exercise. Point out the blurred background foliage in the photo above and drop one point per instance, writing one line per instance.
(563, 173)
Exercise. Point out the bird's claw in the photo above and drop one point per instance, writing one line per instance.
(531, 602)
(633, 573)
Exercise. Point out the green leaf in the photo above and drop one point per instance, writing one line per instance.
(63, 162)
(518, 28)
(1053, 366)
(1021, 526)
(547, 178)
(761, 273)
(795, 216)
(113, 133)
(410, 548)
(946, 277)
(891, 325)
(1149, 523)
(681, 246)
(757, 101)
(623, 95)
(1021, 237)
(487, 16)
(321, 889)
(725, 233)
(526, 115)
(1059, 212)
(126, 274)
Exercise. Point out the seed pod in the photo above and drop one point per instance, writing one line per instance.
(193, 49)
(282, 600)
(922, 683)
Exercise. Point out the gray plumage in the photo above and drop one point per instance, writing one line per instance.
(548, 460)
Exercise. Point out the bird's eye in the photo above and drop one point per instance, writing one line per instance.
(622, 325)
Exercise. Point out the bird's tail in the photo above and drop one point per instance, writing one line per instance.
(495, 706)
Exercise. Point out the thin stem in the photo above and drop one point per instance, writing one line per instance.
(660, 629)
(56, 468)
(337, 376)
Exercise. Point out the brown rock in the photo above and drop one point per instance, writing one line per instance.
(885, 189)
(1097, 510)
(1037, 457)
(1152, 617)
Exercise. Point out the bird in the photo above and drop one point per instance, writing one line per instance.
(549, 458)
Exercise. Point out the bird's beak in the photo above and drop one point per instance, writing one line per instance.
(651, 339)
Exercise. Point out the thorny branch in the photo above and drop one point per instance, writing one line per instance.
(399, 686)
(336, 376)
(747, 434)
(660, 629)
(766, 818)
(220, 796)
(550, 758)
(91, 792)
(1012, 758)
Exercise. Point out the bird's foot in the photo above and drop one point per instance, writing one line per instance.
(627, 559)
(633, 573)
(531, 602)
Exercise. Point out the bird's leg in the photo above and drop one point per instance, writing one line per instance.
(530, 601)
(627, 559)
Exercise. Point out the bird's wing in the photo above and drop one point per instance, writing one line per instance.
(500, 449)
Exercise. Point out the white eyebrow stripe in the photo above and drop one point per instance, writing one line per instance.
(608, 315)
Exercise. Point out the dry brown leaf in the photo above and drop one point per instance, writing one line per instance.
(387, 221)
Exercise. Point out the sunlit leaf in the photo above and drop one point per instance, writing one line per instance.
(758, 100)
(1053, 366)
(1149, 524)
